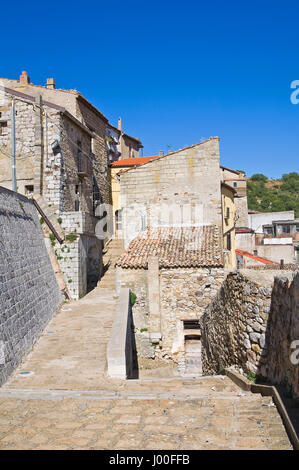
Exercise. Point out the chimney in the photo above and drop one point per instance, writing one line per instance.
(161, 153)
(119, 124)
(24, 79)
(51, 83)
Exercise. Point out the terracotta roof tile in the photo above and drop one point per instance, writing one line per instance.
(183, 247)
(133, 161)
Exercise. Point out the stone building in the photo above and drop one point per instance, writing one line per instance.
(62, 160)
(174, 273)
(116, 167)
(183, 188)
(228, 224)
(178, 223)
(271, 235)
(121, 145)
(237, 180)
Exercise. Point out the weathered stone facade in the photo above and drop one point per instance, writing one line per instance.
(237, 180)
(29, 294)
(183, 295)
(188, 178)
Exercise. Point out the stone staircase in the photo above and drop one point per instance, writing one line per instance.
(112, 252)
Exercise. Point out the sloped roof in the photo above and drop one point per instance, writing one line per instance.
(176, 247)
(132, 161)
(256, 258)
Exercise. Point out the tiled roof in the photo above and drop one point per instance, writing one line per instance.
(176, 247)
(132, 161)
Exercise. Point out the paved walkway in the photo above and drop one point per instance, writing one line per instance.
(59, 398)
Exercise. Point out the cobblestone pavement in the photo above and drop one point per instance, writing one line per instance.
(66, 402)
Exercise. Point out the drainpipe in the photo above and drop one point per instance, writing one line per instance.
(13, 147)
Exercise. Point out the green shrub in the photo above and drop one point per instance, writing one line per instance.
(52, 238)
(133, 298)
(251, 376)
(71, 237)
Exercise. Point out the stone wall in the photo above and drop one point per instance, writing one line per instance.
(234, 326)
(183, 295)
(29, 294)
(187, 178)
(80, 260)
(241, 207)
(283, 334)
(136, 281)
(255, 328)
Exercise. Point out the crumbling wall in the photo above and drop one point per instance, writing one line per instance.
(29, 293)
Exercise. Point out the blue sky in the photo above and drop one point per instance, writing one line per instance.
(177, 72)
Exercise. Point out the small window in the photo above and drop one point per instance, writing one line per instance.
(255, 252)
(228, 242)
(235, 184)
(29, 189)
(286, 229)
(191, 325)
(3, 126)
(297, 228)
(77, 198)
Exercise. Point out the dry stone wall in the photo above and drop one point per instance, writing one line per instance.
(29, 293)
(234, 327)
(255, 328)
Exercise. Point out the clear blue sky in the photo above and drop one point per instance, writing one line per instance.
(176, 72)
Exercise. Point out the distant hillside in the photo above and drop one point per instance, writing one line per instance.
(266, 195)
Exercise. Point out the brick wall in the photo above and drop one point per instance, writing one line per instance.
(29, 294)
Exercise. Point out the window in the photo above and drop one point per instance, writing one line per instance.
(235, 184)
(3, 127)
(286, 229)
(268, 230)
(255, 252)
(77, 198)
(297, 228)
(29, 189)
(191, 325)
(227, 213)
(228, 242)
